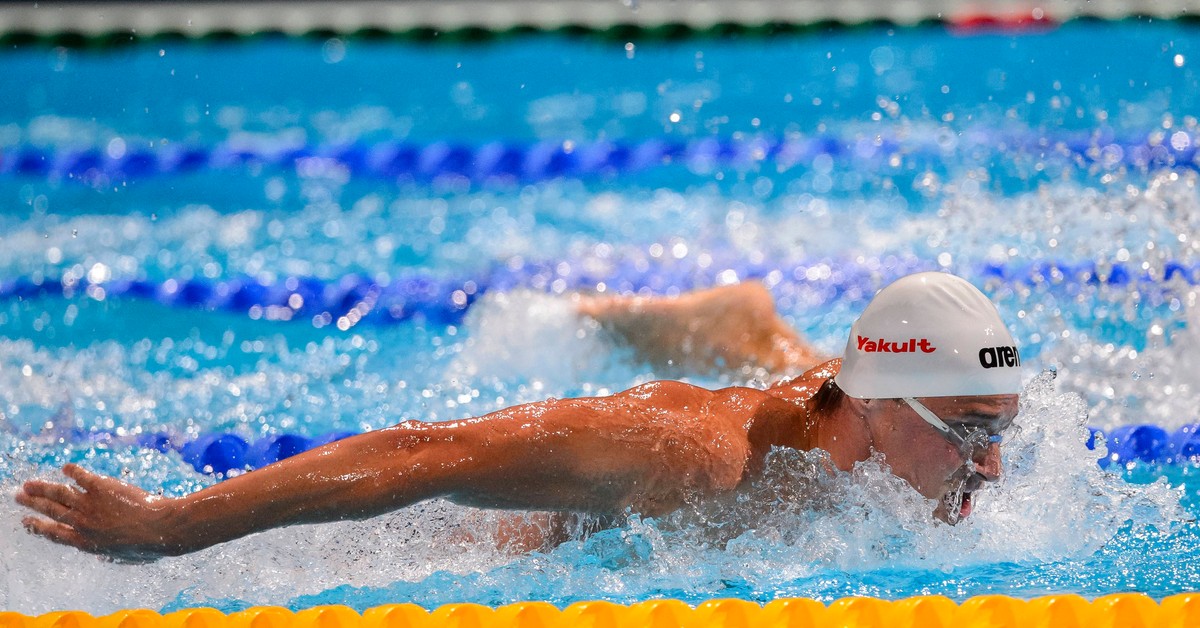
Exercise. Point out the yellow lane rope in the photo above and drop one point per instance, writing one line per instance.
(1124, 610)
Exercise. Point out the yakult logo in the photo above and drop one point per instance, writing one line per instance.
(993, 357)
(866, 345)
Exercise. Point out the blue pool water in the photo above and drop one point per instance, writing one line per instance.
(985, 154)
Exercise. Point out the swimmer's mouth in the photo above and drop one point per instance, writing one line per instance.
(955, 507)
(958, 503)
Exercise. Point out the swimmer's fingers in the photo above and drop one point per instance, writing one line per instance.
(85, 479)
(29, 497)
(102, 515)
(66, 495)
(102, 493)
(64, 534)
(47, 507)
(57, 531)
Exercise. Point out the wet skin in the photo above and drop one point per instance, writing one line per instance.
(650, 448)
(916, 452)
(913, 449)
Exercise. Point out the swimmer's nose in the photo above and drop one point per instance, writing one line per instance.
(987, 463)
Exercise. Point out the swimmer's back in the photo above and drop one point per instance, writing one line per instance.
(660, 444)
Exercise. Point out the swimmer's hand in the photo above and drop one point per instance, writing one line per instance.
(100, 515)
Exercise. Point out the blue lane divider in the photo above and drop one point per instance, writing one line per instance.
(353, 299)
(535, 161)
(1149, 444)
(218, 453)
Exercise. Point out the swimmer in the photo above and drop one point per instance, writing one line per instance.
(929, 382)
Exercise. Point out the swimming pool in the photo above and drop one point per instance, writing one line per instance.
(509, 170)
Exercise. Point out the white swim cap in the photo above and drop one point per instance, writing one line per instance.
(929, 335)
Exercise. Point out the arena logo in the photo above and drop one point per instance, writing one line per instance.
(866, 345)
(995, 357)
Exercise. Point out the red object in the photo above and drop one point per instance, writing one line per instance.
(972, 23)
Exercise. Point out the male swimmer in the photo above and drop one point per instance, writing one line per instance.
(929, 381)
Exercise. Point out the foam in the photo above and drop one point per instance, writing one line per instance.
(270, 567)
(540, 340)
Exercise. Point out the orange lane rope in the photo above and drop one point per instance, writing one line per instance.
(1125, 610)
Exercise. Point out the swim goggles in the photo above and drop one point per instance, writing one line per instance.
(968, 440)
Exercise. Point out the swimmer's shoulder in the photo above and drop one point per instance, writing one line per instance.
(780, 416)
(800, 390)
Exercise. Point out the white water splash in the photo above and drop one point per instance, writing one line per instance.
(540, 340)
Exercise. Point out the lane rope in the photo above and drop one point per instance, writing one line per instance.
(1128, 610)
(80, 24)
(524, 162)
(444, 300)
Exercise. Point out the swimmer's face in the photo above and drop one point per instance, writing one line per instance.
(929, 461)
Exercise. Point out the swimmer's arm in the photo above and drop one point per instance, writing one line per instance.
(555, 455)
(352, 478)
(726, 326)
